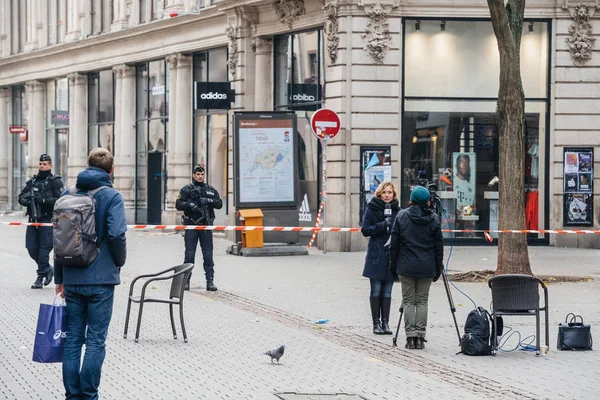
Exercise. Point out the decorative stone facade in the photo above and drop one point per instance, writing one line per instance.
(363, 75)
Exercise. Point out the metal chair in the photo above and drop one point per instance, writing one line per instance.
(179, 276)
(518, 294)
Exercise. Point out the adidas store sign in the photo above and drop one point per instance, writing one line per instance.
(303, 97)
(213, 96)
(304, 214)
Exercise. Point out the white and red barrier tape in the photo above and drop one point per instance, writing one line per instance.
(314, 235)
(319, 229)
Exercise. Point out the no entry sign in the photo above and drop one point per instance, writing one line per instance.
(325, 123)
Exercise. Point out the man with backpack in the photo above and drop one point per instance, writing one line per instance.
(90, 247)
(39, 195)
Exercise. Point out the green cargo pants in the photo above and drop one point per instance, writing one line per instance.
(415, 296)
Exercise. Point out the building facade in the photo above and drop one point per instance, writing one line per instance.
(414, 82)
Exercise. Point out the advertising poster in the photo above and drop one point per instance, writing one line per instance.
(266, 167)
(463, 182)
(578, 198)
(376, 167)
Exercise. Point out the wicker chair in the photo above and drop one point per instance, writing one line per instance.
(179, 275)
(518, 294)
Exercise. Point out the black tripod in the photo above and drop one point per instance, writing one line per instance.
(452, 309)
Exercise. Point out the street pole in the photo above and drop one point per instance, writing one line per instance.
(324, 190)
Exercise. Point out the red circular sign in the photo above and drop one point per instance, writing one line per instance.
(325, 123)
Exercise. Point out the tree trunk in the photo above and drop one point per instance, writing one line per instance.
(513, 257)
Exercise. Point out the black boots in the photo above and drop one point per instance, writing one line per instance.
(38, 282)
(410, 343)
(386, 303)
(375, 309)
(186, 285)
(415, 343)
(48, 278)
(210, 286)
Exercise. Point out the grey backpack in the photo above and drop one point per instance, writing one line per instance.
(74, 219)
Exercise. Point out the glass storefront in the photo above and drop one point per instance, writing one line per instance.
(57, 122)
(101, 110)
(20, 150)
(299, 83)
(449, 135)
(211, 127)
(152, 113)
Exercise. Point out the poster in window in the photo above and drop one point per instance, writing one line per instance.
(376, 167)
(578, 209)
(463, 181)
(578, 186)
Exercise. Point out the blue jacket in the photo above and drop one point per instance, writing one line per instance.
(111, 226)
(375, 227)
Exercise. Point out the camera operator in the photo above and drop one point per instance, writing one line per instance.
(198, 201)
(416, 255)
(39, 195)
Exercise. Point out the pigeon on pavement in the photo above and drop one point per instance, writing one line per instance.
(276, 353)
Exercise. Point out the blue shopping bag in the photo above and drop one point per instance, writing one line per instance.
(51, 332)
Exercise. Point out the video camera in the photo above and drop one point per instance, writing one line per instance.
(435, 202)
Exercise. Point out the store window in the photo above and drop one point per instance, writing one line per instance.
(211, 127)
(299, 83)
(57, 124)
(152, 113)
(20, 150)
(449, 135)
(101, 110)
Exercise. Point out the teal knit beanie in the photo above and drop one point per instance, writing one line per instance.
(419, 195)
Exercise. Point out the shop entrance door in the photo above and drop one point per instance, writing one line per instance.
(155, 186)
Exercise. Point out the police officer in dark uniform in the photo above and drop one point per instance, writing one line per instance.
(198, 202)
(39, 195)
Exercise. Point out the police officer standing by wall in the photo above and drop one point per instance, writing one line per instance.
(39, 195)
(198, 201)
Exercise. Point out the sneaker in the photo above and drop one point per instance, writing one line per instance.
(38, 283)
(48, 278)
(210, 286)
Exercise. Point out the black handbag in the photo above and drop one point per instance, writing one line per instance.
(573, 335)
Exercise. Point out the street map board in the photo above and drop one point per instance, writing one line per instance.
(266, 159)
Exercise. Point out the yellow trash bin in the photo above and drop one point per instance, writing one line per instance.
(251, 217)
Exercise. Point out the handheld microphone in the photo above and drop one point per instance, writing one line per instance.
(387, 212)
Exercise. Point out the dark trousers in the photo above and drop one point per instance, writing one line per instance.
(89, 310)
(206, 244)
(38, 241)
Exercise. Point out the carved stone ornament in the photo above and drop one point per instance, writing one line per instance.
(332, 27)
(289, 10)
(232, 62)
(580, 40)
(377, 36)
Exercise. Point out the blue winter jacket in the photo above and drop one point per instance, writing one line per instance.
(375, 227)
(111, 226)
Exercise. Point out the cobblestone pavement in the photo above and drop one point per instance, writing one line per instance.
(270, 301)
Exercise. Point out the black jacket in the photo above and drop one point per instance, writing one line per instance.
(190, 202)
(417, 244)
(47, 188)
(375, 227)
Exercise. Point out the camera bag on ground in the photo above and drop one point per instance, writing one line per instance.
(573, 335)
(477, 338)
(74, 236)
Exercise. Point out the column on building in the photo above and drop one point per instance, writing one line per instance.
(120, 15)
(73, 26)
(78, 119)
(263, 82)
(4, 146)
(5, 29)
(178, 6)
(125, 136)
(36, 136)
(32, 21)
(180, 137)
(170, 215)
